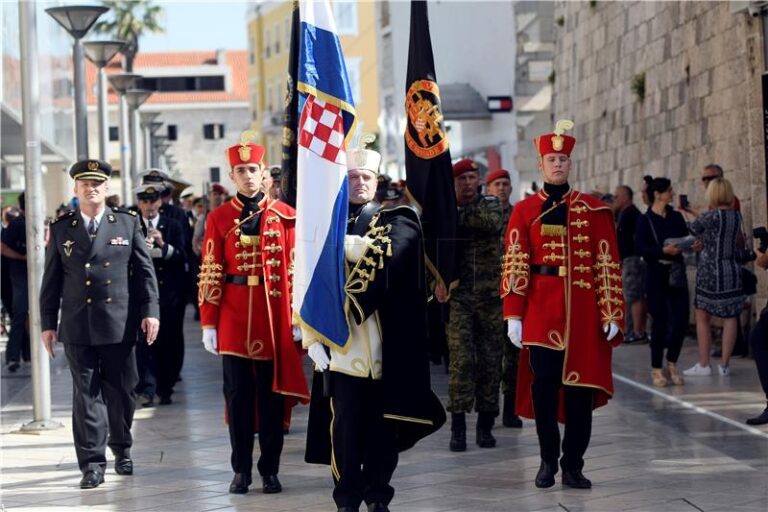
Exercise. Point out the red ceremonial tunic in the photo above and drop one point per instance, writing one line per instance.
(566, 311)
(252, 318)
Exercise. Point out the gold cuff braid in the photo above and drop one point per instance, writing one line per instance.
(209, 288)
(515, 270)
(608, 273)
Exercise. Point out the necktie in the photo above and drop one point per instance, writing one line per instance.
(149, 223)
(92, 228)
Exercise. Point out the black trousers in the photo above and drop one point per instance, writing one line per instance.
(103, 401)
(669, 309)
(146, 366)
(168, 349)
(248, 386)
(547, 366)
(364, 445)
(759, 344)
(18, 339)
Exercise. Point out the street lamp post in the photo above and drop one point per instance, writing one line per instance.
(149, 126)
(78, 20)
(134, 99)
(121, 83)
(100, 53)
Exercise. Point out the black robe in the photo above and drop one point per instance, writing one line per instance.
(391, 280)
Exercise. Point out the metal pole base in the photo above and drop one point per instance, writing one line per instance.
(38, 425)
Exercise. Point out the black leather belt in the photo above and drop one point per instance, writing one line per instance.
(550, 270)
(243, 280)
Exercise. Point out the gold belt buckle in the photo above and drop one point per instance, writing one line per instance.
(249, 240)
(562, 271)
(253, 280)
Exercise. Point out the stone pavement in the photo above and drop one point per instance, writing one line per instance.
(678, 449)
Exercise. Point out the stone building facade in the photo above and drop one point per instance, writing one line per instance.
(664, 88)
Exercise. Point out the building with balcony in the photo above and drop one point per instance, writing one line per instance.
(269, 36)
(202, 100)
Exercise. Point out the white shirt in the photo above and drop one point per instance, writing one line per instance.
(156, 252)
(97, 218)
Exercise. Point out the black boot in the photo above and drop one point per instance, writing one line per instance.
(760, 419)
(510, 419)
(575, 479)
(458, 433)
(546, 475)
(484, 438)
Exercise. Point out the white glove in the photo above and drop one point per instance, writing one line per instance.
(209, 341)
(515, 332)
(611, 330)
(354, 247)
(318, 354)
(296, 333)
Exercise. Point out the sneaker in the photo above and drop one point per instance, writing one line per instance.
(724, 370)
(698, 371)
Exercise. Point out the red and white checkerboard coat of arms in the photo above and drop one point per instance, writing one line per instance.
(322, 130)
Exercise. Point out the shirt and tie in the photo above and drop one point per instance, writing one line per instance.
(157, 252)
(92, 223)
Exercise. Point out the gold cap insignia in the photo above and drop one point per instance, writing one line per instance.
(247, 137)
(92, 166)
(149, 190)
(560, 127)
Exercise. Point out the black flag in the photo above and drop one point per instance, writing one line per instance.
(429, 174)
(291, 116)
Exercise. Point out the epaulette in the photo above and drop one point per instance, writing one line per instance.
(62, 216)
(123, 210)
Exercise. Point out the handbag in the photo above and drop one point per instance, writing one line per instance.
(748, 282)
(744, 255)
(678, 278)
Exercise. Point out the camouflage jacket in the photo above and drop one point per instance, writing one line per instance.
(479, 251)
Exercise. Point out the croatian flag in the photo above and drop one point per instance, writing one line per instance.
(326, 122)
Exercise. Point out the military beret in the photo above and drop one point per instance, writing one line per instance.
(275, 172)
(218, 188)
(90, 170)
(462, 166)
(149, 191)
(393, 194)
(495, 175)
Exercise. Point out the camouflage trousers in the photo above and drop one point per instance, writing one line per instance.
(475, 344)
(509, 368)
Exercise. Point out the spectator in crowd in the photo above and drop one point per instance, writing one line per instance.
(665, 280)
(647, 180)
(718, 275)
(216, 197)
(6, 290)
(14, 247)
(759, 343)
(113, 201)
(632, 266)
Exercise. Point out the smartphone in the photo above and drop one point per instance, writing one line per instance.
(683, 201)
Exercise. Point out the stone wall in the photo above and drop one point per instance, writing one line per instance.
(701, 67)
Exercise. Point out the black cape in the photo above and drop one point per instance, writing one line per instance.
(396, 288)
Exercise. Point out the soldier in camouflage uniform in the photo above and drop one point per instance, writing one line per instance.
(499, 184)
(475, 328)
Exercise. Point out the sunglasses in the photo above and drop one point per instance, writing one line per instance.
(707, 179)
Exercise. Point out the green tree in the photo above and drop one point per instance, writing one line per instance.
(128, 20)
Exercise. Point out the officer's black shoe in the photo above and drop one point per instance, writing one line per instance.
(574, 478)
(377, 506)
(761, 419)
(240, 483)
(123, 466)
(166, 400)
(147, 400)
(483, 436)
(91, 480)
(270, 484)
(458, 433)
(546, 475)
(348, 509)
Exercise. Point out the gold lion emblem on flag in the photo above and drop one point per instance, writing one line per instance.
(425, 134)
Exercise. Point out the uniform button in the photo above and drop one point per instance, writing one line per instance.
(160, 282)
(87, 265)
(159, 268)
(106, 263)
(87, 283)
(88, 300)
(109, 299)
(108, 281)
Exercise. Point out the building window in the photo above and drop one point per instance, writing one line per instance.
(353, 72)
(345, 14)
(267, 43)
(172, 132)
(215, 173)
(277, 39)
(269, 98)
(114, 133)
(183, 83)
(213, 131)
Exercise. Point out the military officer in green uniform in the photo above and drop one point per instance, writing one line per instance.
(99, 274)
(499, 184)
(475, 328)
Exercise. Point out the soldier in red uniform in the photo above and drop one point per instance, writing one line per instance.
(561, 288)
(245, 312)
